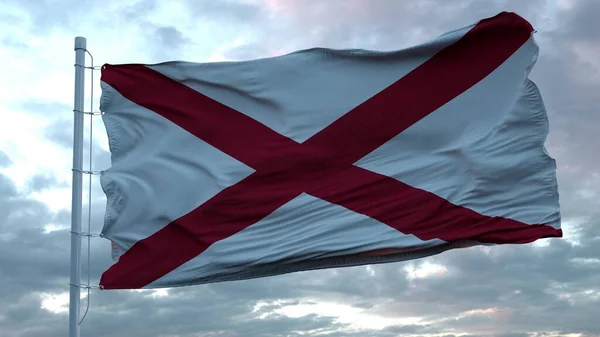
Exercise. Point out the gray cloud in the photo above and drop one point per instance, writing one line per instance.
(231, 11)
(44, 181)
(583, 22)
(61, 133)
(169, 37)
(9, 42)
(5, 160)
(48, 109)
(44, 17)
(170, 41)
(7, 188)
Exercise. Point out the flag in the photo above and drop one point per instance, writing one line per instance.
(325, 158)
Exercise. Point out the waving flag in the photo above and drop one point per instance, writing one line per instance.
(325, 158)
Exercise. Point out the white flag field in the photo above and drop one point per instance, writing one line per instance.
(325, 158)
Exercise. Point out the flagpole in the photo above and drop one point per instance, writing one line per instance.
(76, 201)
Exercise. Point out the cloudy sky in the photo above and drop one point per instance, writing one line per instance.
(550, 288)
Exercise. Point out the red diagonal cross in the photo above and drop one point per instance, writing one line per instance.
(322, 166)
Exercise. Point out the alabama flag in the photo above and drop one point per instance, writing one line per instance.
(325, 158)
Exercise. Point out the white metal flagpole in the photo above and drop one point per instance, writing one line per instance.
(76, 201)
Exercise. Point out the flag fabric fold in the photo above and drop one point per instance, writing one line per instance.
(325, 158)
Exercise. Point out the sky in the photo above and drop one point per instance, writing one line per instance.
(549, 288)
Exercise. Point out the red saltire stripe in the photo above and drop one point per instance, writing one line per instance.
(322, 166)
